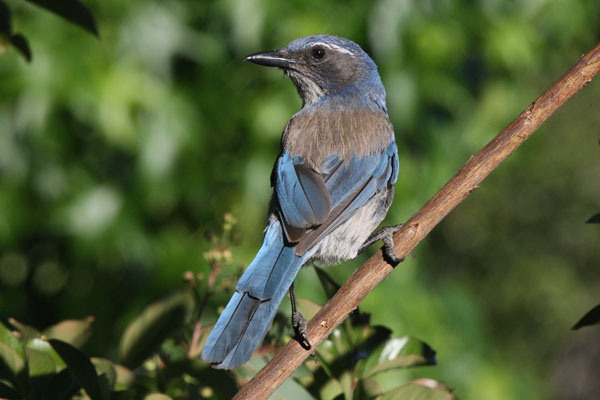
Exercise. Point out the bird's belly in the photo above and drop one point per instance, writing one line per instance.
(345, 241)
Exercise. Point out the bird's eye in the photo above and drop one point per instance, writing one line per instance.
(318, 53)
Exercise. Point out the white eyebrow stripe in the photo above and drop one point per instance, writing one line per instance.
(336, 47)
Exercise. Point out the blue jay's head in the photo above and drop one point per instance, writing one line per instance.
(321, 65)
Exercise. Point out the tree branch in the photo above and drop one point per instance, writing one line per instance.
(477, 168)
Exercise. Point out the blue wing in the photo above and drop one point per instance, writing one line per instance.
(313, 203)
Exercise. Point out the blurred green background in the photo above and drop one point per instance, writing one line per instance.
(118, 155)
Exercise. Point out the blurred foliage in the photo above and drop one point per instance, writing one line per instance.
(8, 38)
(160, 348)
(71, 10)
(118, 155)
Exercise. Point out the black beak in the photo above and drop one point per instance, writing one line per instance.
(273, 58)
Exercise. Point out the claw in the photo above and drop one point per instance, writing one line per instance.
(299, 325)
(388, 252)
(386, 234)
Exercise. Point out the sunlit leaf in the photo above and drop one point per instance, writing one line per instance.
(43, 346)
(9, 339)
(12, 358)
(157, 396)
(80, 366)
(105, 367)
(346, 380)
(71, 10)
(11, 363)
(73, 331)
(592, 317)
(39, 362)
(124, 378)
(43, 362)
(20, 43)
(340, 361)
(367, 388)
(432, 383)
(401, 352)
(144, 335)
(368, 339)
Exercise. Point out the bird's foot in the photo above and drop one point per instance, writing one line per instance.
(299, 325)
(386, 234)
(388, 251)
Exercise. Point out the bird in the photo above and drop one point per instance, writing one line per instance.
(333, 184)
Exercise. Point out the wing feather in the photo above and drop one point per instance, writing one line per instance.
(311, 203)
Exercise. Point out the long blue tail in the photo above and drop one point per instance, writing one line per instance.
(244, 322)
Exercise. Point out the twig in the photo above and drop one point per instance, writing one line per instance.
(477, 168)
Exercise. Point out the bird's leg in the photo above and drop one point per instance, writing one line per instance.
(385, 234)
(298, 322)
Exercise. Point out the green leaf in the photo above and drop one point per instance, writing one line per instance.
(73, 331)
(20, 43)
(157, 396)
(43, 346)
(12, 365)
(41, 366)
(39, 361)
(9, 339)
(401, 352)
(417, 391)
(367, 388)
(342, 357)
(124, 378)
(144, 335)
(105, 367)
(12, 369)
(81, 367)
(592, 317)
(71, 10)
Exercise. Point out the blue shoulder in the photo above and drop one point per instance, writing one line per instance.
(307, 196)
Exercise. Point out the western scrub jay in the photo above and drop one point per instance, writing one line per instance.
(333, 185)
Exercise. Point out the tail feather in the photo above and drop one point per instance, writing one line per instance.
(234, 318)
(248, 315)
